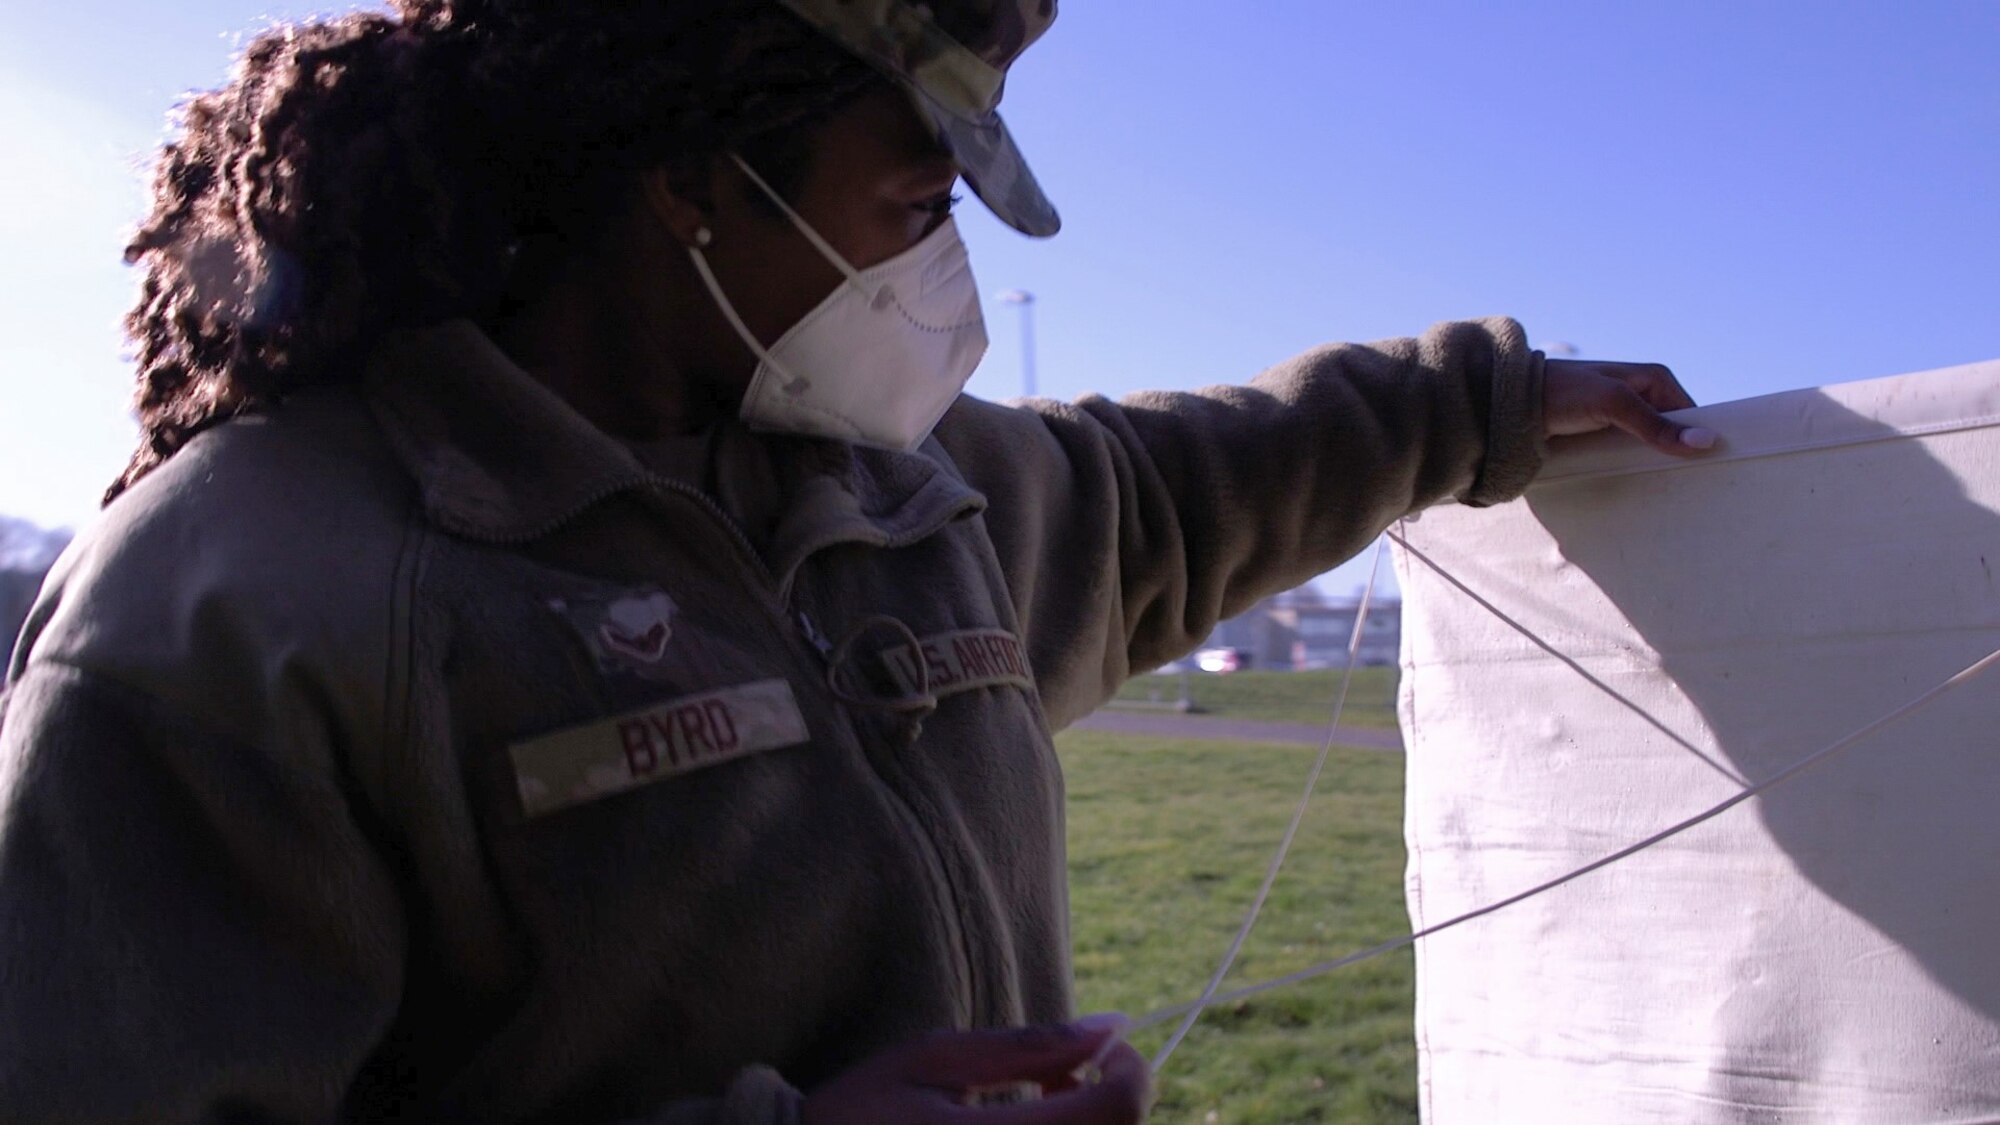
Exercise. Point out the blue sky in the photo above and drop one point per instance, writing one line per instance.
(1763, 196)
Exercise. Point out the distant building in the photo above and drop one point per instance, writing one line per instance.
(1299, 629)
(26, 552)
(17, 596)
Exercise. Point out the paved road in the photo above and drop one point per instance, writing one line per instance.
(1168, 724)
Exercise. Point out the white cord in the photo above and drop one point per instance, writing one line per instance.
(1569, 662)
(1195, 1010)
(1978, 667)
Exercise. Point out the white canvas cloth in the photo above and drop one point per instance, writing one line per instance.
(1827, 952)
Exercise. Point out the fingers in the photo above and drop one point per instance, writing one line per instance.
(1047, 1053)
(1637, 416)
(1580, 396)
(1118, 1097)
(1653, 382)
(1668, 396)
(931, 1080)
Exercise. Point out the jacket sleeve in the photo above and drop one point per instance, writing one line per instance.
(190, 930)
(1129, 529)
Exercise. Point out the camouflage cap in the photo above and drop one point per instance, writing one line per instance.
(952, 57)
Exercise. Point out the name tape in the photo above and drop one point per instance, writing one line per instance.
(599, 759)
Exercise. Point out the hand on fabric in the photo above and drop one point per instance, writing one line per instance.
(932, 1079)
(1583, 396)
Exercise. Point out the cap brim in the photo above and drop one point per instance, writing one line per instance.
(986, 156)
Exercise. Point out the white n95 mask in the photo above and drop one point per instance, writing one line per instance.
(881, 359)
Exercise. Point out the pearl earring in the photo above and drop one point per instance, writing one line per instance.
(702, 237)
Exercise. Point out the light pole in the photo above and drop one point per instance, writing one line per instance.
(1025, 301)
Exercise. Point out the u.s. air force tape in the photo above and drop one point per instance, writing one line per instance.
(960, 661)
(584, 763)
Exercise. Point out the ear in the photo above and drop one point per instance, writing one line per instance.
(664, 191)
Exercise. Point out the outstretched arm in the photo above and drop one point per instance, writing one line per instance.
(1129, 529)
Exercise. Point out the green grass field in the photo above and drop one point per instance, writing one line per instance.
(1291, 697)
(1167, 842)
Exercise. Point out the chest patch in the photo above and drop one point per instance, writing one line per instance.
(584, 763)
(960, 661)
(626, 632)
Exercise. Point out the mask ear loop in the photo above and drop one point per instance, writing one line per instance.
(918, 703)
(792, 383)
(878, 299)
(820, 244)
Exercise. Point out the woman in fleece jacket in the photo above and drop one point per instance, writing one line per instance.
(564, 650)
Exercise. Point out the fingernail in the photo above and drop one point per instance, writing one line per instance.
(1694, 437)
(1103, 1023)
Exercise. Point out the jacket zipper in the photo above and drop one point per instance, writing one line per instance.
(808, 629)
(816, 638)
(954, 919)
(788, 598)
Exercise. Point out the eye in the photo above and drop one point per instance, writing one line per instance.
(941, 206)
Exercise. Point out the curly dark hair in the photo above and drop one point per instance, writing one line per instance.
(439, 159)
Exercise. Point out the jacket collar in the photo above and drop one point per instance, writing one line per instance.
(499, 457)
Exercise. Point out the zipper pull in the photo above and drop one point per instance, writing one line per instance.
(814, 636)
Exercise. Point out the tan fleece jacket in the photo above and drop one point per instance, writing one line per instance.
(411, 752)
